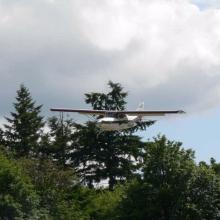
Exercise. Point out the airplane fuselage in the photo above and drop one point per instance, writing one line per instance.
(117, 124)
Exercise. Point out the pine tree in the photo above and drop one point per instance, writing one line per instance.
(2, 141)
(99, 155)
(60, 135)
(25, 125)
(114, 100)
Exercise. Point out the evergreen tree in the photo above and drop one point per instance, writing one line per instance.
(25, 125)
(114, 100)
(98, 155)
(60, 135)
(2, 139)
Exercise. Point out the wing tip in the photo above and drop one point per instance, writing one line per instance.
(57, 110)
(181, 112)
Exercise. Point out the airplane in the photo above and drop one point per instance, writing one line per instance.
(117, 120)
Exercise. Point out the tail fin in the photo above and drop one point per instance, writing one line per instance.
(140, 107)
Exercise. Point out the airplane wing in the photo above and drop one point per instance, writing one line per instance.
(81, 111)
(152, 113)
(103, 112)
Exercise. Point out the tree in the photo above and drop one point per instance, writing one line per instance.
(18, 199)
(24, 127)
(57, 187)
(99, 155)
(2, 139)
(215, 166)
(105, 203)
(114, 100)
(202, 198)
(172, 186)
(61, 138)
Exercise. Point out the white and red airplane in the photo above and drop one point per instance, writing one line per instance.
(116, 120)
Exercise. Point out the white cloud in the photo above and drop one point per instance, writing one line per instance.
(166, 52)
(204, 4)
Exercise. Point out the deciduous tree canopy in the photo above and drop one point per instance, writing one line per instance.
(172, 186)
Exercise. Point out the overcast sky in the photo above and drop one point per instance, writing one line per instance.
(164, 52)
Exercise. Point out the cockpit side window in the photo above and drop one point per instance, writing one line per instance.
(114, 115)
(109, 114)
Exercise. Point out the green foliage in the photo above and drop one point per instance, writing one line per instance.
(56, 187)
(172, 187)
(24, 127)
(114, 100)
(103, 204)
(159, 180)
(18, 199)
(215, 166)
(105, 155)
(2, 139)
(61, 139)
(100, 155)
(202, 198)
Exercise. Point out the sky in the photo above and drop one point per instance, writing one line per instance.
(163, 52)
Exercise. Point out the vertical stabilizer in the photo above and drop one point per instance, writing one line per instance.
(140, 107)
